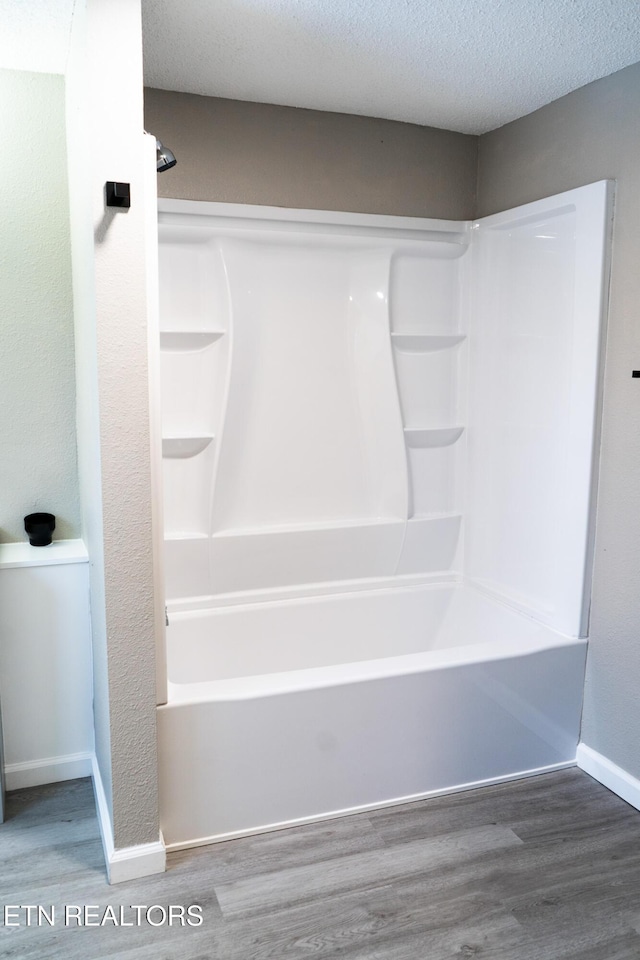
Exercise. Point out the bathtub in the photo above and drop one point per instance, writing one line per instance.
(285, 712)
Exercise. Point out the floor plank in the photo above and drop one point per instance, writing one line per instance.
(345, 873)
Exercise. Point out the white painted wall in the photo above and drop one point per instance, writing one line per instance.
(37, 383)
(106, 142)
(78, 113)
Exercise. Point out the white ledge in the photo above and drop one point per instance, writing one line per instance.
(181, 448)
(454, 234)
(432, 437)
(60, 551)
(184, 341)
(414, 342)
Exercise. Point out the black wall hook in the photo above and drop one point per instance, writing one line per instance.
(118, 194)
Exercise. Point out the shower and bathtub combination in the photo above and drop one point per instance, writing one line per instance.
(379, 440)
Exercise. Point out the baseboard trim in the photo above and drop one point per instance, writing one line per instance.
(125, 863)
(366, 808)
(131, 863)
(609, 774)
(35, 773)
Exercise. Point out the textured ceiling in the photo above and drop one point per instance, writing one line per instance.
(467, 65)
(34, 34)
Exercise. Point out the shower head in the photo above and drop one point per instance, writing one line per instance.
(164, 158)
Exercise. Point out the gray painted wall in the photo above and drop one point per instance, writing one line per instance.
(593, 134)
(37, 380)
(241, 152)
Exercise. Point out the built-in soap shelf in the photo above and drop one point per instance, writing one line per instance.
(415, 342)
(432, 436)
(436, 516)
(187, 340)
(173, 536)
(181, 448)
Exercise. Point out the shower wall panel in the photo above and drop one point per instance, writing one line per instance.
(538, 293)
(310, 432)
(311, 397)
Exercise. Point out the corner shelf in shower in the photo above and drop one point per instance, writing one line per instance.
(180, 448)
(432, 436)
(409, 342)
(172, 536)
(443, 515)
(186, 340)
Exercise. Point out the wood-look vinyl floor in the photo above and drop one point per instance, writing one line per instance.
(541, 869)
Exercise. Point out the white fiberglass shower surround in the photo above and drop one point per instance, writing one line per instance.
(378, 440)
